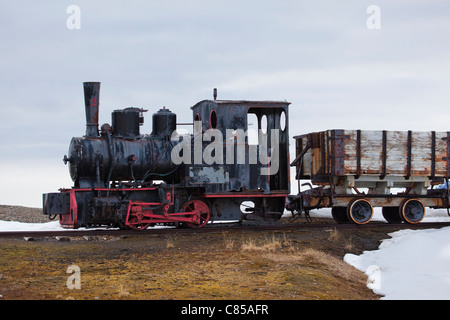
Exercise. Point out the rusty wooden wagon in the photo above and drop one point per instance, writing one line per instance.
(354, 171)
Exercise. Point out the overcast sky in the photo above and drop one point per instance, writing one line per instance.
(319, 55)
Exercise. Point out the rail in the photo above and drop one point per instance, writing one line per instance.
(235, 227)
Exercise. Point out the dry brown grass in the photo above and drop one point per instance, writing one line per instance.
(192, 266)
(267, 244)
(314, 257)
(336, 236)
(169, 242)
(229, 243)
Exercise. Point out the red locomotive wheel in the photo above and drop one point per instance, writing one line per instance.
(134, 225)
(200, 209)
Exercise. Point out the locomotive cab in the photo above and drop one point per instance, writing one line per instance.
(252, 173)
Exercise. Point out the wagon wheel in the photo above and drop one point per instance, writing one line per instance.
(412, 211)
(201, 210)
(359, 211)
(339, 214)
(391, 214)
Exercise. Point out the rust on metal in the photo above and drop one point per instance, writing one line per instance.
(343, 162)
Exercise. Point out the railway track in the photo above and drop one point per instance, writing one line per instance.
(235, 227)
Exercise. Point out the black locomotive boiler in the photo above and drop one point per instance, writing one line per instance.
(126, 179)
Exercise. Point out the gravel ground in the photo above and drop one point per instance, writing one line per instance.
(22, 214)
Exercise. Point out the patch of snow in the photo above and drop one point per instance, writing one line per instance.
(413, 264)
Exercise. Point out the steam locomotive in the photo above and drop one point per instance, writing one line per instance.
(126, 179)
(225, 170)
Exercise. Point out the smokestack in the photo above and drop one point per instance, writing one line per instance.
(91, 103)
